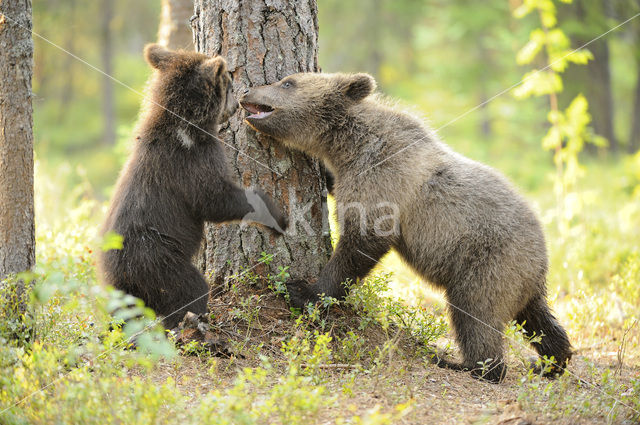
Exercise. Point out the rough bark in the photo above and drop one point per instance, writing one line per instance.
(17, 241)
(175, 28)
(108, 110)
(264, 41)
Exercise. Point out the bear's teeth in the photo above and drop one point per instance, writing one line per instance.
(257, 111)
(260, 114)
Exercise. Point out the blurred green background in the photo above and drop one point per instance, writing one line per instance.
(440, 58)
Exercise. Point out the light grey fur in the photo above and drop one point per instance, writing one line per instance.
(463, 227)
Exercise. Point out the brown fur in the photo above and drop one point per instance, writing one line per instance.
(175, 179)
(461, 225)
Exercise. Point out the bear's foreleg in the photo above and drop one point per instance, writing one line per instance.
(353, 259)
(233, 203)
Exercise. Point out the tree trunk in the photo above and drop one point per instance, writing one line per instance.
(17, 241)
(485, 113)
(374, 18)
(634, 126)
(594, 79)
(264, 41)
(68, 64)
(634, 134)
(175, 28)
(601, 93)
(108, 112)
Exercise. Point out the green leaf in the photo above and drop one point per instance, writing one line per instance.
(580, 57)
(552, 139)
(558, 63)
(43, 292)
(522, 10)
(577, 114)
(538, 83)
(547, 13)
(529, 51)
(156, 344)
(555, 117)
(548, 19)
(111, 240)
(599, 141)
(557, 39)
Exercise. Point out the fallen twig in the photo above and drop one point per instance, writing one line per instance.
(330, 366)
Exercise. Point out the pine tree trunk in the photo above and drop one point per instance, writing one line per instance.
(594, 80)
(634, 133)
(68, 64)
(108, 110)
(175, 29)
(17, 242)
(600, 93)
(264, 41)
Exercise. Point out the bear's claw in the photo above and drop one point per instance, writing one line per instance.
(300, 293)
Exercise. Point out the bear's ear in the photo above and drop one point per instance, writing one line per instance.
(216, 66)
(157, 56)
(359, 86)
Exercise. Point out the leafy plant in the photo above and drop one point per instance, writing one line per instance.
(568, 129)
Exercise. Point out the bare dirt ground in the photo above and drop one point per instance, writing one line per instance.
(439, 396)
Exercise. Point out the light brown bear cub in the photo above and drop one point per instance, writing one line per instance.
(458, 223)
(176, 179)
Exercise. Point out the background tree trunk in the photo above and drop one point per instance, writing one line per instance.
(634, 132)
(634, 123)
(175, 27)
(264, 41)
(108, 111)
(599, 90)
(68, 64)
(17, 241)
(600, 93)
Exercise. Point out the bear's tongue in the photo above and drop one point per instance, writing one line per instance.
(257, 111)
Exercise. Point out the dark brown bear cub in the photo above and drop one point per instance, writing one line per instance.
(176, 179)
(456, 222)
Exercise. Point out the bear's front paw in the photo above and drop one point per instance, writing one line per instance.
(300, 294)
(281, 219)
(266, 212)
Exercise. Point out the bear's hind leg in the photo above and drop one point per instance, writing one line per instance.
(538, 318)
(479, 336)
(185, 290)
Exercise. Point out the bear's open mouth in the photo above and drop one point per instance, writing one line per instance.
(257, 111)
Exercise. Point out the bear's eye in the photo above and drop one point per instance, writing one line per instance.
(287, 84)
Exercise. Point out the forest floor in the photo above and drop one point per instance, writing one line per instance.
(436, 396)
(363, 361)
(391, 372)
